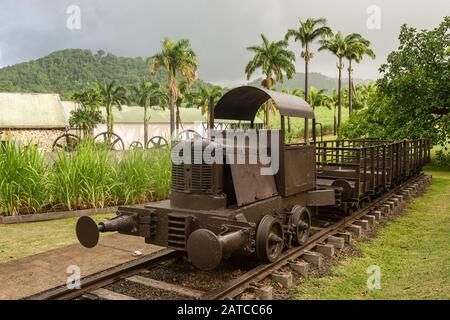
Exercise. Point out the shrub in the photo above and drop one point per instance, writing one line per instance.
(442, 159)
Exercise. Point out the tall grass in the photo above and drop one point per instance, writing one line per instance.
(83, 179)
(23, 179)
(92, 177)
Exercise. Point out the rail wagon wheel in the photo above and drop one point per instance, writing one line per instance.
(188, 134)
(301, 222)
(67, 142)
(269, 239)
(135, 145)
(157, 142)
(110, 139)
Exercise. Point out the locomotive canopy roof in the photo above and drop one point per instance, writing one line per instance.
(242, 103)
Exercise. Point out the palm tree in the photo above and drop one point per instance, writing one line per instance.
(145, 95)
(308, 32)
(338, 45)
(113, 96)
(273, 58)
(331, 102)
(317, 98)
(203, 95)
(363, 93)
(186, 96)
(295, 92)
(356, 49)
(88, 116)
(175, 56)
(85, 119)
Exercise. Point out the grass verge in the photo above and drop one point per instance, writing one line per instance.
(25, 239)
(413, 252)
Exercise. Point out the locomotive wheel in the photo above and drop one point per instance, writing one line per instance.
(269, 239)
(301, 221)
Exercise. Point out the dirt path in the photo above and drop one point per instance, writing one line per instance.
(27, 276)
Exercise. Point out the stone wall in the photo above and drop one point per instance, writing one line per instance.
(44, 137)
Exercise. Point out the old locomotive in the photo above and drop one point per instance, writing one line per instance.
(219, 209)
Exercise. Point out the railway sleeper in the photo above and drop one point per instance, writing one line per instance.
(300, 267)
(263, 292)
(338, 242)
(325, 249)
(169, 287)
(283, 278)
(313, 258)
(355, 230)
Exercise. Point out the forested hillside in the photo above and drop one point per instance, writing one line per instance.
(69, 70)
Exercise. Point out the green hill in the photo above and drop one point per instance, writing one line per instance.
(69, 70)
(316, 80)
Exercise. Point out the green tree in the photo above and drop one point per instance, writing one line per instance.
(203, 95)
(145, 95)
(362, 94)
(317, 97)
(85, 119)
(309, 32)
(357, 48)
(273, 58)
(412, 99)
(113, 95)
(186, 97)
(87, 116)
(176, 56)
(338, 45)
(331, 101)
(295, 92)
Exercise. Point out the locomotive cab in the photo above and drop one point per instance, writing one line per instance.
(217, 208)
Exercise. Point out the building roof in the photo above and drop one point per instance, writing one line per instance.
(243, 103)
(135, 114)
(31, 111)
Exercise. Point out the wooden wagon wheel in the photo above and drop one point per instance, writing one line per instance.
(157, 142)
(135, 145)
(110, 139)
(67, 142)
(188, 134)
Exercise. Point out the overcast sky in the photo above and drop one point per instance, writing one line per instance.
(219, 30)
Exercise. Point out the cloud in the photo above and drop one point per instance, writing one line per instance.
(219, 30)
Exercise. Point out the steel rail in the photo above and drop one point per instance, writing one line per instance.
(105, 278)
(230, 289)
(240, 284)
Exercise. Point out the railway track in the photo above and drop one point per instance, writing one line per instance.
(325, 240)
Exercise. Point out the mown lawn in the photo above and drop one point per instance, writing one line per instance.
(24, 239)
(413, 252)
(323, 115)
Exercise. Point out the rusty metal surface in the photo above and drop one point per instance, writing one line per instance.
(249, 185)
(299, 171)
(241, 283)
(242, 103)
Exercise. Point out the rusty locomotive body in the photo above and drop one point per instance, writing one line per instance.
(218, 208)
